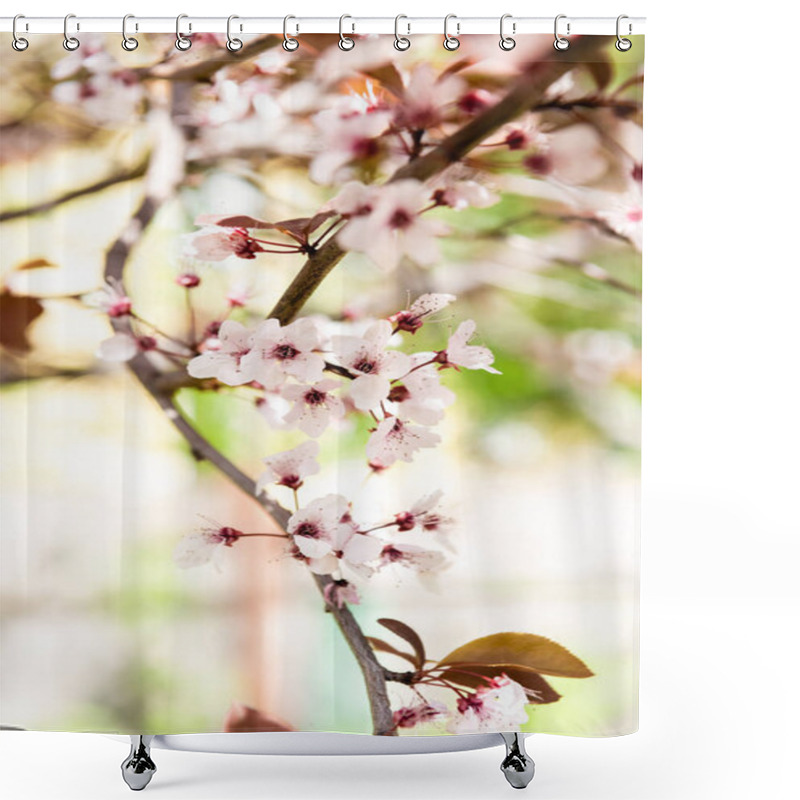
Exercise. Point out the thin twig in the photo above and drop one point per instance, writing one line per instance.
(98, 186)
(524, 93)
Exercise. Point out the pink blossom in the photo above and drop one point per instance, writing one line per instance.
(410, 716)
(461, 354)
(420, 397)
(337, 593)
(237, 296)
(411, 319)
(388, 223)
(124, 346)
(498, 706)
(324, 532)
(226, 361)
(395, 440)
(461, 194)
(217, 244)
(423, 516)
(624, 215)
(374, 366)
(201, 546)
(314, 406)
(291, 467)
(347, 135)
(273, 407)
(278, 351)
(412, 556)
(111, 299)
(426, 98)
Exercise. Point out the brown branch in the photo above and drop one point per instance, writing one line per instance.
(597, 273)
(162, 179)
(523, 95)
(177, 69)
(98, 186)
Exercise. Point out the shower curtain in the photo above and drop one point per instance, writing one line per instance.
(320, 385)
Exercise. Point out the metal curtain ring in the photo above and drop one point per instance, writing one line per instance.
(345, 42)
(233, 44)
(451, 42)
(401, 43)
(506, 42)
(70, 42)
(181, 42)
(18, 43)
(623, 45)
(128, 42)
(290, 44)
(560, 42)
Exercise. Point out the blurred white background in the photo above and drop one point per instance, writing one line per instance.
(720, 545)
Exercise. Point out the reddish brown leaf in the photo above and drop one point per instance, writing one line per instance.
(244, 719)
(239, 221)
(36, 263)
(530, 680)
(601, 71)
(16, 314)
(526, 650)
(384, 647)
(411, 636)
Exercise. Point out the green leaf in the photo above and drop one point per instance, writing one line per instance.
(541, 691)
(411, 636)
(384, 647)
(526, 650)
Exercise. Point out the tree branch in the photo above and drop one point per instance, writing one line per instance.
(204, 68)
(528, 89)
(98, 186)
(162, 178)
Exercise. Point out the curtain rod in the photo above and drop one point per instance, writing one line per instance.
(408, 25)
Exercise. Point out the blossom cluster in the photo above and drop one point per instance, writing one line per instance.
(497, 705)
(310, 378)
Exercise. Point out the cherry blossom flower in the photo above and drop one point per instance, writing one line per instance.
(202, 546)
(92, 80)
(324, 533)
(224, 358)
(426, 98)
(412, 556)
(111, 299)
(461, 194)
(346, 135)
(387, 223)
(124, 346)
(423, 516)
(374, 366)
(238, 296)
(461, 354)
(420, 397)
(316, 525)
(624, 215)
(188, 279)
(291, 467)
(339, 592)
(273, 406)
(412, 318)
(410, 716)
(314, 406)
(280, 350)
(498, 706)
(217, 244)
(396, 440)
